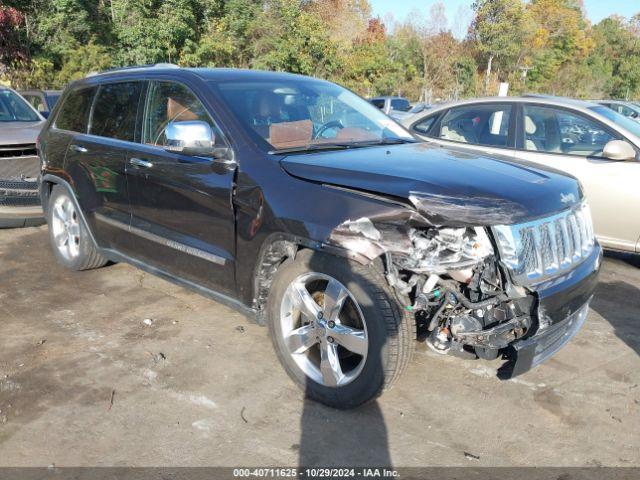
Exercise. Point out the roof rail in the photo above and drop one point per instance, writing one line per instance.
(133, 68)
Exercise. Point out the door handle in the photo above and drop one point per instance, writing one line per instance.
(139, 162)
(78, 148)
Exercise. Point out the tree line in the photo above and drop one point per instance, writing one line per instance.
(537, 46)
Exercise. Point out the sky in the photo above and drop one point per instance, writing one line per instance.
(459, 11)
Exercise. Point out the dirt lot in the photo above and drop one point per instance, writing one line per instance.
(84, 381)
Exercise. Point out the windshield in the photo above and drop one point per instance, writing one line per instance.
(303, 115)
(13, 108)
(624, 122)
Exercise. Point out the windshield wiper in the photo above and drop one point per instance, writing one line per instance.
(313, 147)
(388, 141)
(341, 145)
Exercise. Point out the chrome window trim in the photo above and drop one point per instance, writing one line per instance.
(181, 247)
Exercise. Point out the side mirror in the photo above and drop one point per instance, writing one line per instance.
(191, 137)
(619, 150)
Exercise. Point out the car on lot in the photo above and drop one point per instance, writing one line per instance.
(589, 141)
(399, 115)
(627, 109)
(42, 100)
(20, 125)
(390, 105)
(303, 206)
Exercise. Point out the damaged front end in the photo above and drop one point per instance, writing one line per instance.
(452, 277)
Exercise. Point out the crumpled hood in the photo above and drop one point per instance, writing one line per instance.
(447, 186)
(13, 133)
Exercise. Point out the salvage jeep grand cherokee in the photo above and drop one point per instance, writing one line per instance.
(302, 205)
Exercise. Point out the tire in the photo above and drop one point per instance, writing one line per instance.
(70, 239)
(370, 313)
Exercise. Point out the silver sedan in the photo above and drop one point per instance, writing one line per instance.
(593, 143)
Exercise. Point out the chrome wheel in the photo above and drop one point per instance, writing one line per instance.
(65, 228)
(323, 329)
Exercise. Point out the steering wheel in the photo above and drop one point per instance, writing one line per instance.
(326, 126)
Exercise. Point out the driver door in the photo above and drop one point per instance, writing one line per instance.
(182, 216)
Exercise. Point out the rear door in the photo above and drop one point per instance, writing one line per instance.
(96, 161)
(572, 142)
(71, 119)
(482, 127)
(182, 209)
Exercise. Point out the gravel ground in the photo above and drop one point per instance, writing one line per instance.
(117, 367)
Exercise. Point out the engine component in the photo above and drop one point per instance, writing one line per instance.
(439, 250)
(497, 337)
(461, 324)
(439, 340)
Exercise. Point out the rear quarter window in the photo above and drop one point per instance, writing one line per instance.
(74, 112)
(423, 126)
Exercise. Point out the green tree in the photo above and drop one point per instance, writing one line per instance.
(499, 29)
(286, 37)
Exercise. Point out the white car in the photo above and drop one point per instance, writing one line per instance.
(593, 143)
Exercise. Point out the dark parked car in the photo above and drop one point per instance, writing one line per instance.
(303, 206)
(20, 125)
(42, 100)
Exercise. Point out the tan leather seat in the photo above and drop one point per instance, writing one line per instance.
(530, 129)
(177, 112)
(460, 130)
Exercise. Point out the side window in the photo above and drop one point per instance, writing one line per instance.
(628, 112)
(423, 126)
(485, 124)
(170, 103)
(379, 103)
(554, 130)
(115, 110)
(74, 112)
(400, 104)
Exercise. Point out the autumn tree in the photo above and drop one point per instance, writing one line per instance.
(10, 47)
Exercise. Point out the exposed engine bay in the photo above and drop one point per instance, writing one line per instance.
(463, 301)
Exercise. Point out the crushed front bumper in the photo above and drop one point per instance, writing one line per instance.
(563, 306)
(533, 351)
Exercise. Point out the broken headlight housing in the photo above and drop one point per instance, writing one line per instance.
(440, 250)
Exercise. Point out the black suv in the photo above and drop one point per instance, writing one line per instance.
(305, 207)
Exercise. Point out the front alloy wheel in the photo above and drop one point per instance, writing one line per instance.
(337, 328)
(324, 329)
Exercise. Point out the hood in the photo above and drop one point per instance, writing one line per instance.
(14, 133)
(447, 186)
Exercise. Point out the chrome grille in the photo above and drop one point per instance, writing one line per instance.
(540, 249)
(21, 150)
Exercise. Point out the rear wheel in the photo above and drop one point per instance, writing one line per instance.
(70, 239)
(337, 329)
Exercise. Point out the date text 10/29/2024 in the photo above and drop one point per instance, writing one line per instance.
(365, 472)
